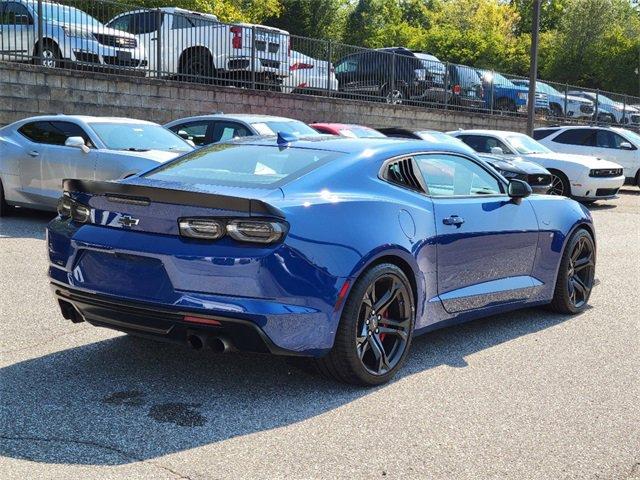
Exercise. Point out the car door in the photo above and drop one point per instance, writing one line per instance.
(485, 242)
(573, 140)
(607, 145)
(53, 161)
(17, 34)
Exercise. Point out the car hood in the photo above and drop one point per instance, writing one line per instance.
(573, 98)
(529, 167)
(586, 160)
(101, 29)
(159, 156)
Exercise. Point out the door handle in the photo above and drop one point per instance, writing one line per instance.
(34, 154)
(453, 220)
(154, 39)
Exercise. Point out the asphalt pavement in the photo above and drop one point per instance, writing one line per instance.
(525, 395)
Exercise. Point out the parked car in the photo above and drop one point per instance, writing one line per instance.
(418, 76)
(347, 130)
(327, 248)
(71, 37)
(618, 145)
(507, 96)
(572, 175)
(207, 129)
(197, 46)
(466, 87)
(309, 75)
(576, 106)
(536, 176)
(37, 153)
(609, 110)
(542, 105)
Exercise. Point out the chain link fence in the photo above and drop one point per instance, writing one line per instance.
(120, 38)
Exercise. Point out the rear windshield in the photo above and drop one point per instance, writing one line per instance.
(294, 127)
(242, 165)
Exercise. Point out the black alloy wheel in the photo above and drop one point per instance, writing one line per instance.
(576, 275)
(394, 97)
(374, 334)
(559, 185)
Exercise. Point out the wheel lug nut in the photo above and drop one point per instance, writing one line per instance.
(368, 322)
(379, 317)
(377, 330)
(369, 332)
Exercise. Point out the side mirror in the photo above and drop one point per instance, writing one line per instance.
(77, 142)
(497, 150)
(518, 189)
(626, 146)
(183, 134)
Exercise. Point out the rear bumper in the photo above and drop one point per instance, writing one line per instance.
(165, 324)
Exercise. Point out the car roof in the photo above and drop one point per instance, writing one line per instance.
(484, 132)
(339, 126)
(85, 119)
(378, 145)
(243, 117)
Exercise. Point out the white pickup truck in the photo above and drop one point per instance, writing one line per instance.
(198, 46)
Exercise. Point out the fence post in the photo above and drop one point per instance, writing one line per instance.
(492, 93)
(253, 56)
(329, 55)
(446, 85)
(159, 43)
(624, 109)
(597, 106)
(40, 31)
(566, 100)
(393, 76)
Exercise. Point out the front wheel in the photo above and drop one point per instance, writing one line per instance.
(576, 274)
(51, 55)
(394, 96)
(375, 329)
(559, 184)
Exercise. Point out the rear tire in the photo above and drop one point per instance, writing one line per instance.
(505, 105)
(51, 55)
(196, 66)
(370, 346)
(556, 110)
(576, 274)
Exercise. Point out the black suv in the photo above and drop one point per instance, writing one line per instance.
(416, 76)
(466, 87)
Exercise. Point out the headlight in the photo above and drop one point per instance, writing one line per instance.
(78, 33)
(507, 174)
(523, 95)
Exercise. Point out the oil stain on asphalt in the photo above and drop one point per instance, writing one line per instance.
(182, 414)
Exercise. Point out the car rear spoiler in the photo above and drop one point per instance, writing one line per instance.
(142, 194)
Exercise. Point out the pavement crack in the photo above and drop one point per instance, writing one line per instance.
(89, 443)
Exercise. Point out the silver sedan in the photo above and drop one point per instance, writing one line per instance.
(37, 153)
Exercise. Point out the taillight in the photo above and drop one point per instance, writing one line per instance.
(300, 66)
(257, 231)
(253, 231)
(201, 228)
(456, 89)
(69, 208)
(236, 41)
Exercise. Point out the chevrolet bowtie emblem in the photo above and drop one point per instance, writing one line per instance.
(128, 221)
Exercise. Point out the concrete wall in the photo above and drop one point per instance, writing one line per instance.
(27, 90)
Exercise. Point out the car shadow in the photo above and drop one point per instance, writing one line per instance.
(25, 223)
(124, 399)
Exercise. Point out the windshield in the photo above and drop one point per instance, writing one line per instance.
(64, 14)
(526, 145)
(543, 87)
(605, 100)
(273, 127)
(361, 132)
(242, 165)
(498, 79)
(139, 137)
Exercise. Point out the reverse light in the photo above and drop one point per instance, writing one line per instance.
(256, 231)
(206, 229)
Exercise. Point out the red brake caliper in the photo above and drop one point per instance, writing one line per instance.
(384, 315)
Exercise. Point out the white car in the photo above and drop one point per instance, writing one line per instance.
(611, 143)
(37, 153)
(581, 177)
(306, 74)
(616, 111)
(196, 46)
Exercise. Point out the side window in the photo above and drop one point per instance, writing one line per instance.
(16, 14)
(575, 136)
(483, 144)
(347, 65)
(53, 133)
(403, 172)
(194, 131)
(228, 131)
(450, 175)
(145, 22)
(544, 133)
(122, 23)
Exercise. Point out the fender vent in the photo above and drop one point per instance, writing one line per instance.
(402, 173)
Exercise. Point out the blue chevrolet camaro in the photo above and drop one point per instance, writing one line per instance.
(336, 249)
